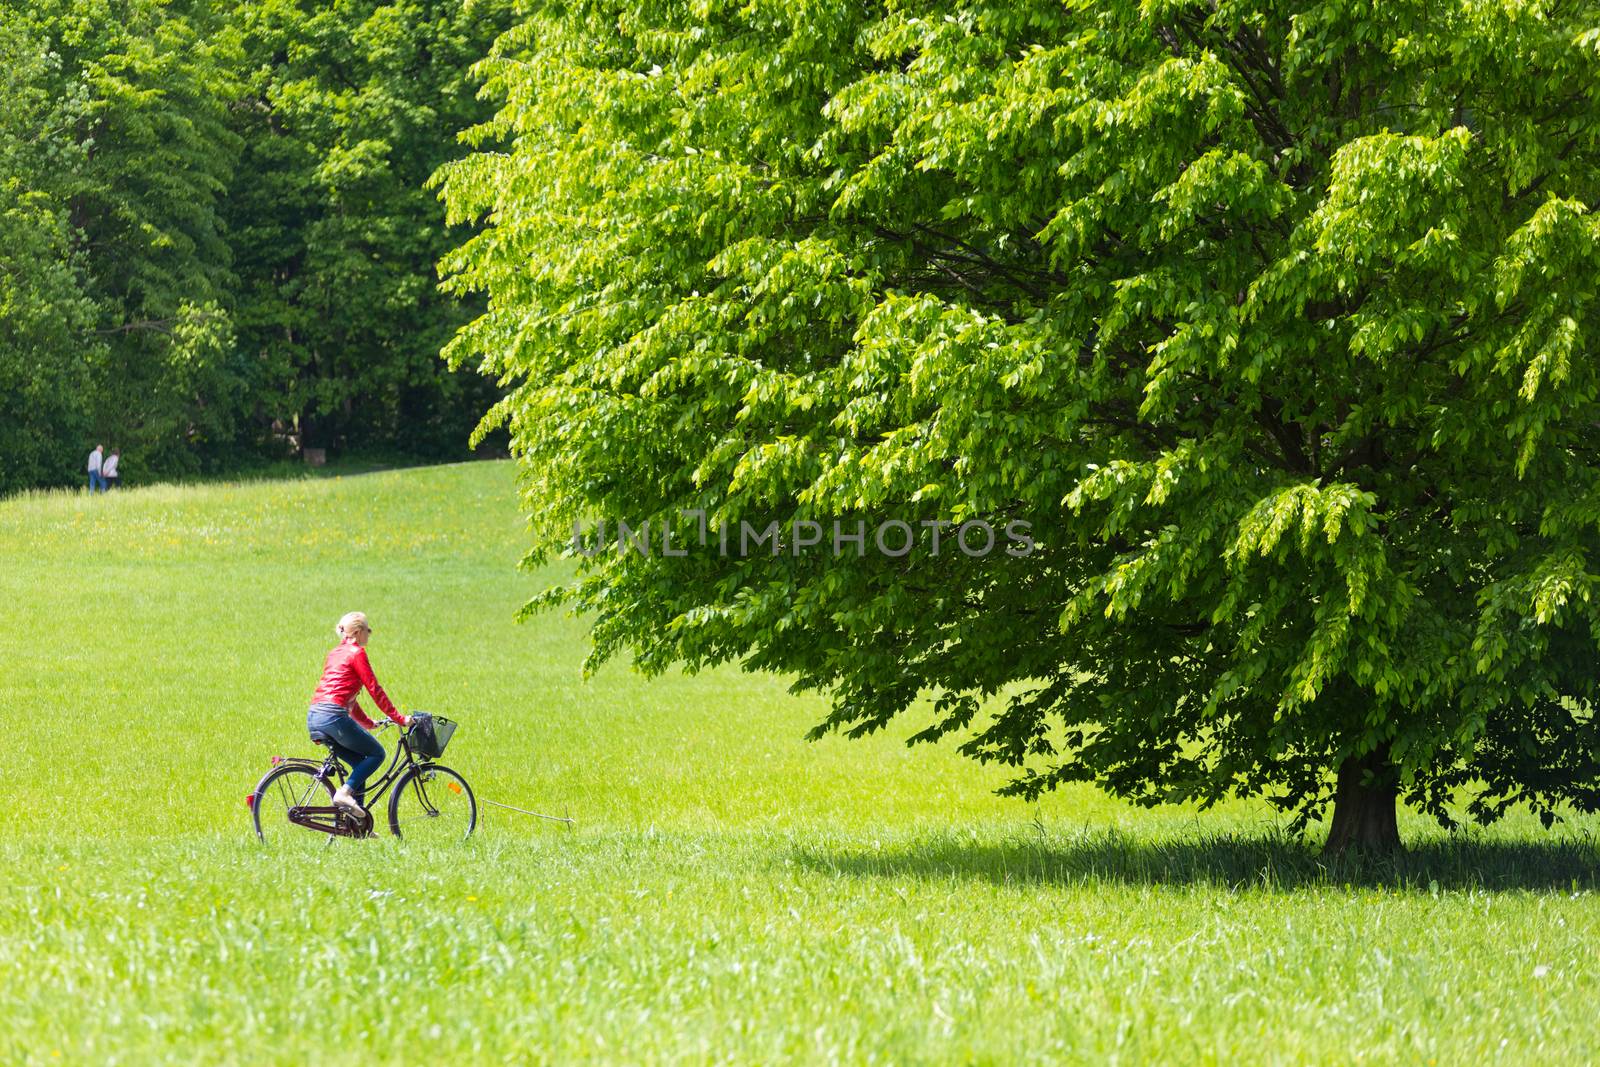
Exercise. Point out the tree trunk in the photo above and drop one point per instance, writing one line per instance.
(1364, 807)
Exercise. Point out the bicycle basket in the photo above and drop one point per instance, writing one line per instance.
(430, 734)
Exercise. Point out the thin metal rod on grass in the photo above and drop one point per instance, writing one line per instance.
(535, 814)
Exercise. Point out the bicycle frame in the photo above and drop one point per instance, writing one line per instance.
(332, 769)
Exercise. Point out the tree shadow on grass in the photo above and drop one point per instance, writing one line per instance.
(1269, 862)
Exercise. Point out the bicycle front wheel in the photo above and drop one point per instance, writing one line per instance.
(286, 787)
(434, 805)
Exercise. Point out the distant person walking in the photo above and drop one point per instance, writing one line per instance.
(96, 479)
(108, 470)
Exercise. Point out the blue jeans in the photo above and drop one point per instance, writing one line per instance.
(96, 481)
(363, 752)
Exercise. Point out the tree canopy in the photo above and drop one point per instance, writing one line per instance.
(1274, 321)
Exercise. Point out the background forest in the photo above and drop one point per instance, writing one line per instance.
(216, 244)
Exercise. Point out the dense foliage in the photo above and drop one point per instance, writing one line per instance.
(1273, 320)
(348, 109)
(43, 315)
(214, 231)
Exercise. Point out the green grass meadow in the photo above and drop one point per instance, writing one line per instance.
(730, 894)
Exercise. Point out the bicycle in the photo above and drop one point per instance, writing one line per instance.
(433, 802)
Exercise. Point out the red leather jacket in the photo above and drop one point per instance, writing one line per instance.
(343, 676)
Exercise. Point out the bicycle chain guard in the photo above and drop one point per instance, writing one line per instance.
(331, 820)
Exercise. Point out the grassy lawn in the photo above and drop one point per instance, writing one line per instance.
(731, 893)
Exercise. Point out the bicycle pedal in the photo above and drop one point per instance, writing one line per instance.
(350, 826)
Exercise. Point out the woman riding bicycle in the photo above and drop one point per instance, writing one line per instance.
(336, 718)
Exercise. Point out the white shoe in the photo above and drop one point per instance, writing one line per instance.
(344, 799)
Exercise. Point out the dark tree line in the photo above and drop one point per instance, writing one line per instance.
(215, 240)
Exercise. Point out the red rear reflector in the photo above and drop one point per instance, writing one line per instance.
(454, 787)
(250, 801)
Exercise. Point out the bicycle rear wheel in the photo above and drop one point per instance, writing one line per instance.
(434, 805)
(291, 785)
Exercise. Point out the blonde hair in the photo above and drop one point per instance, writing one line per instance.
(350, 623)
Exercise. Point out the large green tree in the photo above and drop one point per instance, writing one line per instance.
(1275, 321)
